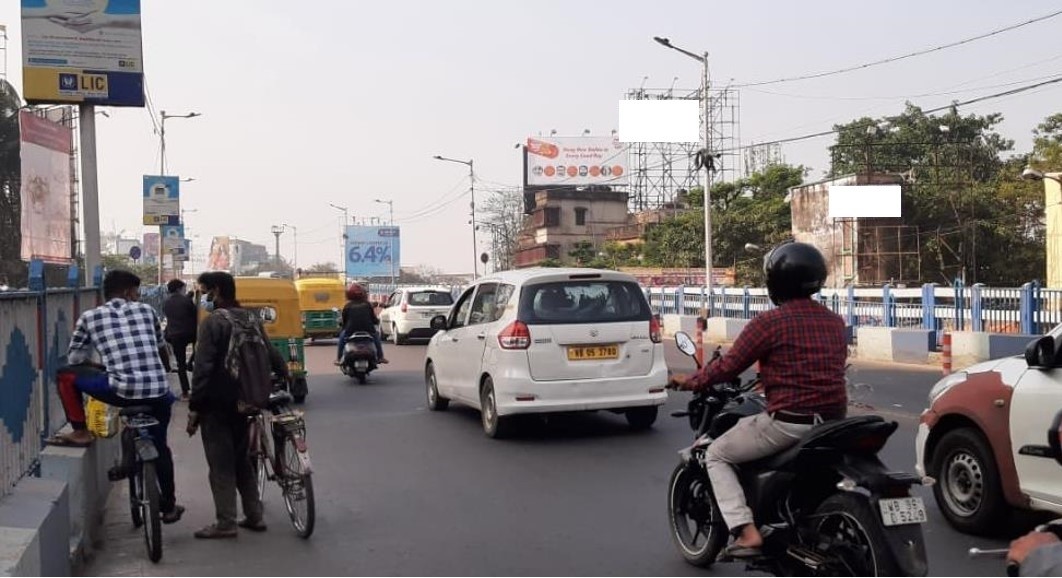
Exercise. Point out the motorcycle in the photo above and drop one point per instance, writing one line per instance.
(359, 356)
(827, 506)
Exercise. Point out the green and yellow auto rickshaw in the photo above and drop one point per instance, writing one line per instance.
(277, 302)
(321, 300)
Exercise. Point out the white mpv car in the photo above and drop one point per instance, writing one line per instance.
(548, 340)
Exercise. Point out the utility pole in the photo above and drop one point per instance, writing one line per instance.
(277, 231)
(162, 172)
(342, 265)
(472, 191)
(295, 243)
(391, 206)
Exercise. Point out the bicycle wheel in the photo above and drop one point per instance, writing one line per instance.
(296, 484)
(136, 496)
(261, 451)
(150, 511)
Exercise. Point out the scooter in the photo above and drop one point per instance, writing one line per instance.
(359, 356)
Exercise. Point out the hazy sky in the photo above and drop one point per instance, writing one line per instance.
(310, 103)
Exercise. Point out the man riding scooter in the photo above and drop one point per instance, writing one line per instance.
(802, 349)
(359, 316)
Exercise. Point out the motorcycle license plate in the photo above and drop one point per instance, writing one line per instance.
(900, 511)
(361, 365)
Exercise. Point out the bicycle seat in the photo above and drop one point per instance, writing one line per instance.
(135, 410)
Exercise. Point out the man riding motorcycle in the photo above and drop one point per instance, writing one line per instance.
(802, 349)
(359, 316)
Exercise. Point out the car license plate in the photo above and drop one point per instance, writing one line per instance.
(900, 511)
(592, 352)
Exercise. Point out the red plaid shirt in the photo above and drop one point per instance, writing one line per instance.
(802, 349)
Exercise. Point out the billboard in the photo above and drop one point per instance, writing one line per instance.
(88, 51)
(575, 161)
(151, 247)
(162, 200)
(173, 240)
(220, 258)
(45, 154)
(372, 251)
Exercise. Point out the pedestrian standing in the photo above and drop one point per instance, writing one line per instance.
(181, 323)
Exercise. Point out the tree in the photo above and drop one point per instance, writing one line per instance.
(148, 274)
(583, 253)
(957, 184)
(504, 219)
(1047, 144)
(328, 267)
(12, 270)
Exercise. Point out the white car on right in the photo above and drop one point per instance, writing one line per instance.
(548, 340)
(984, 438)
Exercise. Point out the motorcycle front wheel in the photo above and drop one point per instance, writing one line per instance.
(691, 509)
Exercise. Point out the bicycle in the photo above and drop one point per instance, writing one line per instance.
(143, 478)
(279, 453)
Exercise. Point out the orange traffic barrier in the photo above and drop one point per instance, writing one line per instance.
(946, 353)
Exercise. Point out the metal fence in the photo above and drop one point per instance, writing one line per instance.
(1028, 310)
(35, 330)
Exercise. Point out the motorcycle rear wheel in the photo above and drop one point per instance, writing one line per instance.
(856, 535)
(691, 509)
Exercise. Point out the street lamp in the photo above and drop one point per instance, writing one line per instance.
(1031, 174)
(162, 136)
(295, 241)
(391, 206)
(707, 177)
(472, 190)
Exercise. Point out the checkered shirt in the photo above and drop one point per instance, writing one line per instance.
(802, 348)
(127, 335)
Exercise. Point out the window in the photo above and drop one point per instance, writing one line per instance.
(552, 216)
(490, 302)
(460, 312)
(395, 299)
(580, 215)
(429, 298)
(583, 302)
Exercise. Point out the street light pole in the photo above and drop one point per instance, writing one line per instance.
(342, 239)
(472, 191)
(162, 172)
(295, 242)
(391, 207)
(277, 231)
(706, 156)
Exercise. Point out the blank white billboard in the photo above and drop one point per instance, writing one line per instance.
(659, 121)
(864, 201)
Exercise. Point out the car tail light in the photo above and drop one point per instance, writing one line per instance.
(654, 330)
(515, 336)
(405, 308)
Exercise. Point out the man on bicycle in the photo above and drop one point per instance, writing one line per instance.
(128, 337)
(214, 406)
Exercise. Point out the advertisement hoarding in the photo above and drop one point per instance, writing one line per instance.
(576, 161)
(162, 200)
(45, 154)
(372, 251)
(82, 51)
(220, 258)
(172, 240)
(151, 247)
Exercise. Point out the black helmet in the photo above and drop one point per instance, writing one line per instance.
(794, 270)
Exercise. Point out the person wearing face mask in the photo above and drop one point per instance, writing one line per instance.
(213, 406)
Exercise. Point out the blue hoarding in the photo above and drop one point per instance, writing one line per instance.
(372, 251)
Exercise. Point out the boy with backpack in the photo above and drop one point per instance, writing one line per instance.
(232, 379)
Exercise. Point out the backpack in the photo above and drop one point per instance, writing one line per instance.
(247, 360)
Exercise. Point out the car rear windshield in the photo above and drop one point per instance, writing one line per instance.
(430, 298)
(566, 302)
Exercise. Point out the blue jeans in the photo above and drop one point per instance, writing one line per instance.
(375, 339)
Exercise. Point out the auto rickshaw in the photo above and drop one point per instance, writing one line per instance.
(277, 302)
(321, 300)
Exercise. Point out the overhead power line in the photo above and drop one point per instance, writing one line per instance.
(902, 56)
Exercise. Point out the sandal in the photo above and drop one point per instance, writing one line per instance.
(252, 525)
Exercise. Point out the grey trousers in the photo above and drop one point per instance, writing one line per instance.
(751, 438)
(225, 442)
